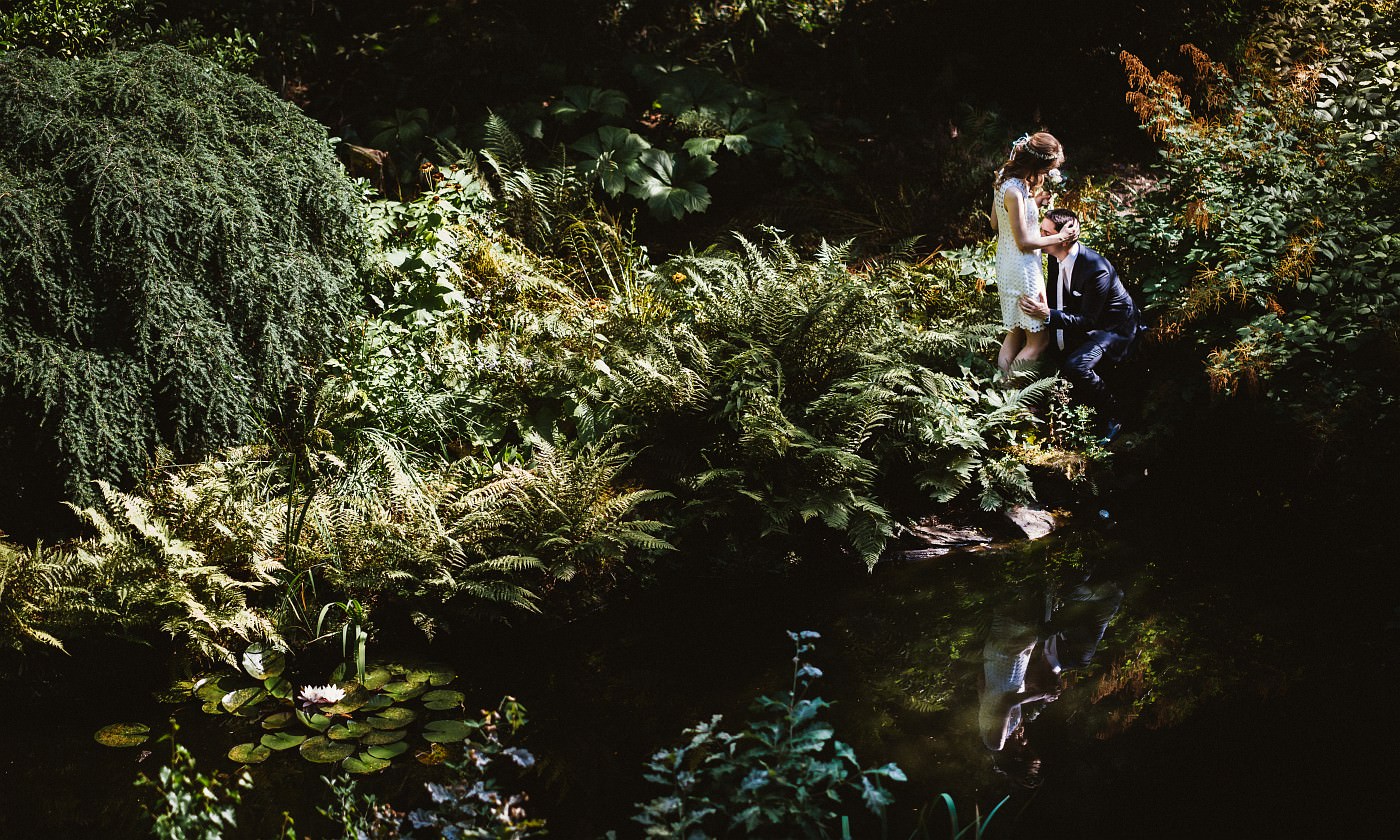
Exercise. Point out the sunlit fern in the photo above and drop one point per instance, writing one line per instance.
(42, 594)
(156, 578)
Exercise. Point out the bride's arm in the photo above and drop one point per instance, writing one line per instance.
(1027, 238)
(994, 215)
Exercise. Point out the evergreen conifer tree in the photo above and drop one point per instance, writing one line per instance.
(177, 245)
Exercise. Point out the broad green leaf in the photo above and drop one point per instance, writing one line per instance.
(364, 763)
(349, 731)
(281, 740)
(249, 753)
(279, 720)
(441, 699)
(611, 156)
(447, 731)
(122, 734)
(388, 751)
(323, 750)
(394, 717)
(234, 701)
(383, 736)
(262, 662)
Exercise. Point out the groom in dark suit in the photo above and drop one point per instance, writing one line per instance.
(1091, 314)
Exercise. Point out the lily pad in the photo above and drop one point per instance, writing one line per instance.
(279, 687)
(212, 707)
(364, 763)
(213, 689)
(122, 734)
(447, 731)
(432, 674)
(323, 750)
(393, 717)
(377, 702)
(349, 731)
(379, 737)
(279, 720)
(442, 698)
(262, 662)
(404, 690)
(314, 720)
(388, 751)
(377, 678)
(241, 698)
(281, 740)
(249, 753)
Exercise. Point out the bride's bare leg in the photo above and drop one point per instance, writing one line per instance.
(1036, 342)
(1013, 344)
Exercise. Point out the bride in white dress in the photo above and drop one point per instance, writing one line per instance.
(1016, 219)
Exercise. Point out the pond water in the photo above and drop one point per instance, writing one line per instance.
(1240, 688)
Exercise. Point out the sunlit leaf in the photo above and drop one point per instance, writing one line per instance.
(122, 734)
(323, 750)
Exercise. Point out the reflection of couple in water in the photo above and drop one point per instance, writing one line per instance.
(1031, 643)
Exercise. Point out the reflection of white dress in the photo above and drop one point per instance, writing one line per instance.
(1018, 272)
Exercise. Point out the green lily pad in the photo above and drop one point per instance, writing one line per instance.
(262, 662)
(393, 717)
(279, 720)
(402, 691)
(281, 740)
(447, 731)
(249, 753)
(388, 751)
(122, 734)
(432, 674)
(323, 750)
(213, 689)
(314, 720)
(349, 731)
(377, 678)
(212, 707)
(279, 687)
(380, 737)
(364, 763)
(377, 702)
(239, 698)
(355, 697)
(443, 698)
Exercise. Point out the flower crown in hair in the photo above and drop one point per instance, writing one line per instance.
(1024, 142)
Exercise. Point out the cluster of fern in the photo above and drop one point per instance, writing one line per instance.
(531, 411)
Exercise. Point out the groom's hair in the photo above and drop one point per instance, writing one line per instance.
(1061, 217)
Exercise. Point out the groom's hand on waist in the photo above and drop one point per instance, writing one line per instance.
(1035, 306)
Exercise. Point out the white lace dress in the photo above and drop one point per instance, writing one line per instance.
(1018, 272)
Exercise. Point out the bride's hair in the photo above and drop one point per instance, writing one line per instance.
(1031, 157)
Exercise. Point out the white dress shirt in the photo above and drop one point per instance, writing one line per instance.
(1062, 287)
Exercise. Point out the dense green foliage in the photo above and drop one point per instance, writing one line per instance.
(189, 804)
(1272, 240)
(177, 247)
(67, 29)
(782, 775)
(518, 429)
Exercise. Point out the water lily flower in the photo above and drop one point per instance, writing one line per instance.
(320, 695)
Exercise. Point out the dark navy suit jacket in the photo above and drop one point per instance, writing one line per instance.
(1097, 300)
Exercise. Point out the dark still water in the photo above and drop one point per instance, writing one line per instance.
(1242, 688)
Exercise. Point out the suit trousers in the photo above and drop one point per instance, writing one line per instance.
(1082, 364)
